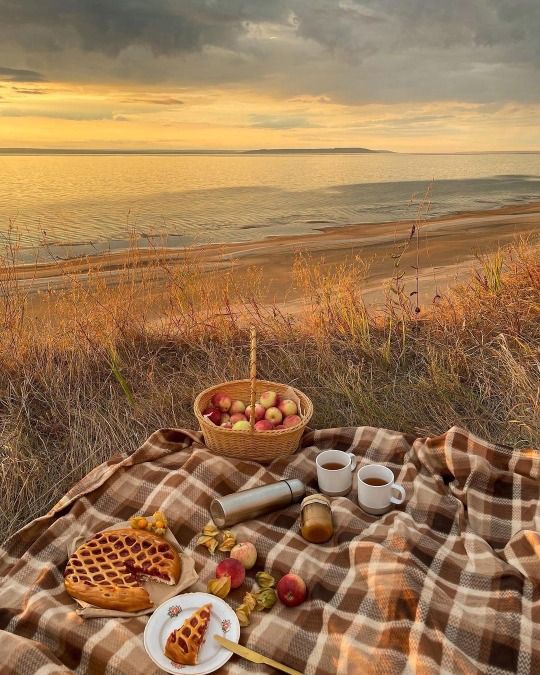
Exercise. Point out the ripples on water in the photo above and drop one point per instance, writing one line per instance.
(197, 199)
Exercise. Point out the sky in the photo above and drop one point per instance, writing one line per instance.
(402, 75)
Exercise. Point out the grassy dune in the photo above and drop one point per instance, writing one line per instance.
(92, 373)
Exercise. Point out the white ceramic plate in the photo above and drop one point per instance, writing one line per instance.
(171, 615)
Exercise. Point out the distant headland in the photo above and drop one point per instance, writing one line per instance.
(311, 151)
(164, 151)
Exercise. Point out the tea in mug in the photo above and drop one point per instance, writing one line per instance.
(377, 482)
(333, 466)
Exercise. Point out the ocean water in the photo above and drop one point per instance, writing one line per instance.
(74, 204)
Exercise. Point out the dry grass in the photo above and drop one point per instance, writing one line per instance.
(93, 374)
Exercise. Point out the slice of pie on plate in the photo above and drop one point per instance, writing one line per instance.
(107, 570)
(184, 643)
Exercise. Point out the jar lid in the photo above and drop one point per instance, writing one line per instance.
(315, 499)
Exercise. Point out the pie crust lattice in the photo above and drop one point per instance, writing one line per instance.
(107, 570)
(184, 643)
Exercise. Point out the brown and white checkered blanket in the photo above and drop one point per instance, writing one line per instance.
(450, 582)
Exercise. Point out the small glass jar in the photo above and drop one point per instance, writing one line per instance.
(316, 519)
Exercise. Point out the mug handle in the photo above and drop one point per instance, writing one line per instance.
(353, 460)
(401, 490)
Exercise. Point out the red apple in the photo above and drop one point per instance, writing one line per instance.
(237, 407)
(259, 412)
(237, 417)
(268, 399)
(278, 426)
(291, 590)
(264, 425)
(212, 414)
(274, 415)
(288, 407)
(221, 401)
(291, 421)
(230, 567)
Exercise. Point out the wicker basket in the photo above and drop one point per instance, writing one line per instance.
(261, 446)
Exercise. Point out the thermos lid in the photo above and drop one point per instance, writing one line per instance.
(297, 488)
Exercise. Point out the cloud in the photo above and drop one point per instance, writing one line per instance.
(163, 26)
(347, 51)
(280, 122)
(156, 100)
(53, 113)
(28, 90)
(20, 75)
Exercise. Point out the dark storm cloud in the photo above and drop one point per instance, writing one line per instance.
(165, 26)
(20, 75)
(350, 51)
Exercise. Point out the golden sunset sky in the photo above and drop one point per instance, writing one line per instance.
(413, 75)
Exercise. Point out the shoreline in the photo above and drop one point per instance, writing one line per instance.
(448, 245)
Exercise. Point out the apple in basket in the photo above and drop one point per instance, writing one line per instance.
(213, 415)
(241, 425)
(288, 407)
(260, 411)
(237, 407)
(221, 401)
(237, 417)
(264, 425)
(273, 415)
(291, 421)
(268, 399)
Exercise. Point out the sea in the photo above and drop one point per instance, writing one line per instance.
(71, 204)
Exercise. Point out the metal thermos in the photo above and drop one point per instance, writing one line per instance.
(248, 504)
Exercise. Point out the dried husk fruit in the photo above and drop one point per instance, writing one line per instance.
(243, 615)
(209, 542)
(157, 523)
(210, 530)
(228, 541)
(265, 580)
(220, 587)
(249, 601)
(265, 598)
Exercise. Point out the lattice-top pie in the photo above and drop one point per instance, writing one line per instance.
(107, 570)
(184, 643)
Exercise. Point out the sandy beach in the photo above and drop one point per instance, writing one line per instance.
(448, 249)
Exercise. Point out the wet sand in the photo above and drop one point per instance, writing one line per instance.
(447, 251)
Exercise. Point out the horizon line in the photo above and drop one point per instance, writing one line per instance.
(171, 151)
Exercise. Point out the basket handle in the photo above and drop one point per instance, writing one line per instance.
(253, 373)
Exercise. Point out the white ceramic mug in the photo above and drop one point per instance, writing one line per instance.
(377, 499)
(335, 482)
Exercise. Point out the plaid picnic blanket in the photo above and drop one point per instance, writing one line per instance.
(449, 582)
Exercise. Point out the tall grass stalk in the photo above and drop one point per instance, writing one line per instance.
(90, 371)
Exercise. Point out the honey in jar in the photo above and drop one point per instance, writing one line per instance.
(316, 519)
